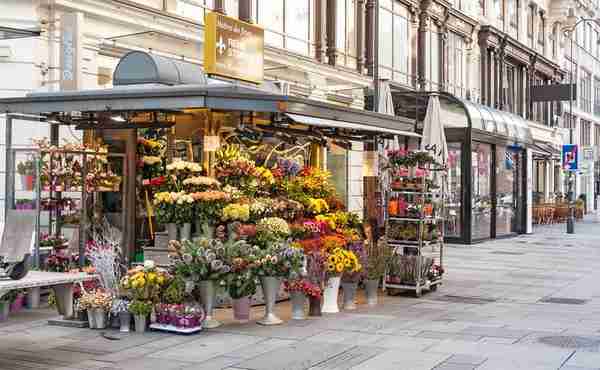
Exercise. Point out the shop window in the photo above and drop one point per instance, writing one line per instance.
(337, 164)
(346, 32)
(454, 203)
(506, 172)
(394, 44)
(287, 23)
(481, 192)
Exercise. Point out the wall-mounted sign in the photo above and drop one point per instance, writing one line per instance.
(569, 157)
(233, 48)
(71, 45)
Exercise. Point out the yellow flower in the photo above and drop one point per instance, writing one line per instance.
(332, 259)
(340, 267)
(331, 267)
(348, 263)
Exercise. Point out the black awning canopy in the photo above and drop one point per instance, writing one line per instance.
(462, 113)
(9, 33)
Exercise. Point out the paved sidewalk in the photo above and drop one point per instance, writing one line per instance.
(531, 302)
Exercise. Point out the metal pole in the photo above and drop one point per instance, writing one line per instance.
(570, 219)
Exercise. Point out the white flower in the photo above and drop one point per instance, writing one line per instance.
(151, 160)
(149, 265)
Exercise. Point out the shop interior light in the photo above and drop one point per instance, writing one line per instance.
(118, 118)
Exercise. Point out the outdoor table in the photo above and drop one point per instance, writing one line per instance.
(61, 282)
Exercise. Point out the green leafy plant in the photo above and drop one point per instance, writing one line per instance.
(142, 308)
(175, 292)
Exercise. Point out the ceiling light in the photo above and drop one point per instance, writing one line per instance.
(118, 119)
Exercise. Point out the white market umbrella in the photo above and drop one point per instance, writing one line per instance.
(434, 138)
(385, 103)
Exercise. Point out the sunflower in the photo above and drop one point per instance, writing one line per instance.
(332, 259)
(338, 259)
(331, 267)
(348, 263)
(340, 267)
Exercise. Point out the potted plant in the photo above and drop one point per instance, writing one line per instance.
(202, 264)
(274, 263)
(299, 289)
(316, 264)
(140, 311)
(97, 304)
(165, 209)
(377, 258)
(354, 261)
(241, 281)
(180, 316)
(26, 170)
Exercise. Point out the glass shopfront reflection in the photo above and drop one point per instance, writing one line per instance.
(481, 197)
(508, 164)
(453, 224)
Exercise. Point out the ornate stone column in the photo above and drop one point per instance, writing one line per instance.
(422, 47)
(319, 22)
(245, 11)
(220, 6)
(370, 36)
(360, 40)
(331, 21)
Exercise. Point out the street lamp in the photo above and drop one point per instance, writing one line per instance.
(569, 27)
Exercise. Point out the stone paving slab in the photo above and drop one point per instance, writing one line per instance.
(300, 356)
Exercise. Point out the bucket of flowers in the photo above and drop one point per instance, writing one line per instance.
(97, 303)
(182, 318)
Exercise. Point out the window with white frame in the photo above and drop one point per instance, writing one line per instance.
(394, 42)
(193, 9)
(513, 17)
(345, 32)
(287, 23)
(456, 64)
(585, 92)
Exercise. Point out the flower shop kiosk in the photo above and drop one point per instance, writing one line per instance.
(225, 186)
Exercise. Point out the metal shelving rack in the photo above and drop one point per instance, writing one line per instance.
(420, 248)
(86, 198)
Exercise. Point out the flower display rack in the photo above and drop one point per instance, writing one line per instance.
(414, 209)
(74, 175)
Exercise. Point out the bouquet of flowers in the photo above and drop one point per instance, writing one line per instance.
(341, 261)
(180, 315)
(145, 283)
(201, 259)
(183, 168)
(305, 286)
(261, 207)
(272, 230)
(184, 208)
(152, 167)
(236, 212)
(200, 184)
(150, 147)
(287, 209)
(98, 299)
(140, 307)
(357, 273)
(241, 281)
(279, 260)
(209, 204)
(54, 241)
(165, 207)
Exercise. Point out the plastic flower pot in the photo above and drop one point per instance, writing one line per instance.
(270, 286)
(100, 318)
(330, 295)
(298, 299)
(4, 310)
(371, 287)
(241, 309)
(349, 289)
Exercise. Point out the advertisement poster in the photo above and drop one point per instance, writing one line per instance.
(569, 157)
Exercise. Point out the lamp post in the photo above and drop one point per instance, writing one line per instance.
(571, 24)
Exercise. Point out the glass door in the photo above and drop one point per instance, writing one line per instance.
(507, 190)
